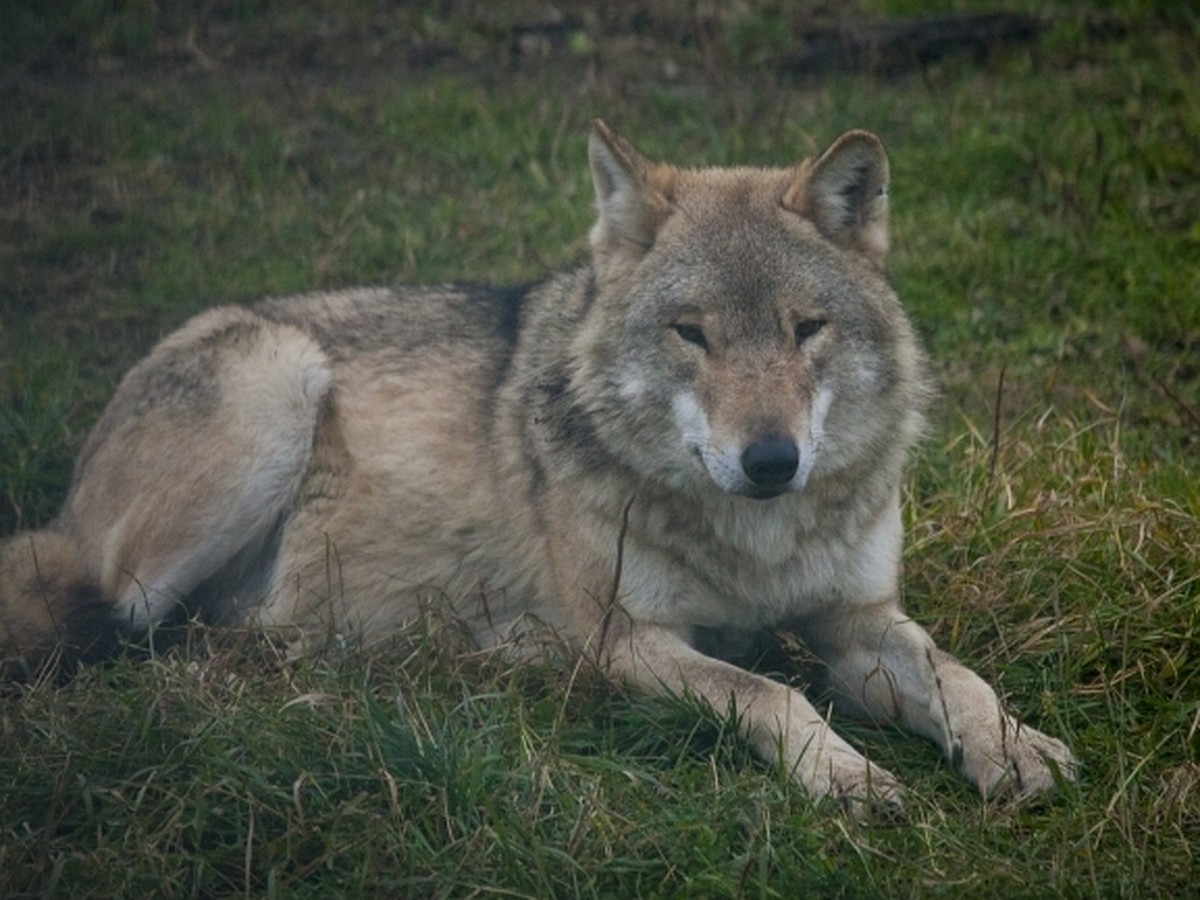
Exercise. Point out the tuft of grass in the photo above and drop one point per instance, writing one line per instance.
(154, 162)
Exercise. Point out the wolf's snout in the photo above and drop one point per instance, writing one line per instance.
(771, 462)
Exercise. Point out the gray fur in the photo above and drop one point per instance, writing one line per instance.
(573, 457)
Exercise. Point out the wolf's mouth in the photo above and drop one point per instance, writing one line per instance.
(759, 493)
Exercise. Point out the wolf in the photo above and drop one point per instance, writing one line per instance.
(695, 436)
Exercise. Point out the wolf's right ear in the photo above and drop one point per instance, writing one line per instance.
(632, 193)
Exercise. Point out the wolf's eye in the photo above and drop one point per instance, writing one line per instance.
(807, 328)
(693, 334)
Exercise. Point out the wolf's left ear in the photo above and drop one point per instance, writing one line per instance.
(630, 199)
(844, 193)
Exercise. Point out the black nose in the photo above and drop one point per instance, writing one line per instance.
(771, 462)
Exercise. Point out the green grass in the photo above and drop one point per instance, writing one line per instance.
(1046, 212)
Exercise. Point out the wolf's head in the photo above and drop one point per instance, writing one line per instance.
(743, 332)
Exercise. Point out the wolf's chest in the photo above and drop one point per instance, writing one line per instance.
(762, 567)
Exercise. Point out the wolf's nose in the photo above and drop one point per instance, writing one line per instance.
(771, 462)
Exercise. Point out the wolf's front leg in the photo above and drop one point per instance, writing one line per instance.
(780, 723)
(885, 667)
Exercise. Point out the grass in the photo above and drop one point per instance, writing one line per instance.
(1047, 239)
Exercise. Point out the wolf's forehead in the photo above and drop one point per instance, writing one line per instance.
(731, 197)
(738, 212)
(753, 252)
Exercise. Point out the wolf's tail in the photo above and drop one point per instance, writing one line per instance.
(52, 611)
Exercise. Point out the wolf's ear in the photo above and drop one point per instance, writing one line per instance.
(845, 193)
(630, 192)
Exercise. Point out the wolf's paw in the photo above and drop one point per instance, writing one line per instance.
(1023, 763)
(861, 789)
(874, 795)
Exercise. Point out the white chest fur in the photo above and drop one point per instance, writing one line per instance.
(752, 564)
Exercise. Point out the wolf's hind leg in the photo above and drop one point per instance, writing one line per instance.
(190, 469)
(200, 453)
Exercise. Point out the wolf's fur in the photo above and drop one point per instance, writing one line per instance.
(696, 435)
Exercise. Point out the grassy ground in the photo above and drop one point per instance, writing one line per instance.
(1047, 238)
